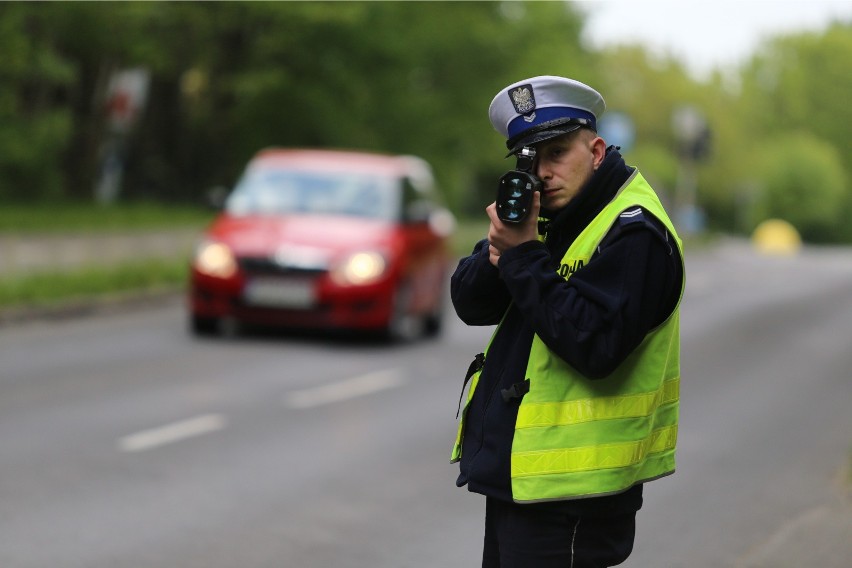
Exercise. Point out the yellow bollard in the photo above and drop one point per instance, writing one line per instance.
(776, 237)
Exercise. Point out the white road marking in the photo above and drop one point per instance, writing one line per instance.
(171, 433)
(345, 389)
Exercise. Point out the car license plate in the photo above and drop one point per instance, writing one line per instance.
(280, 292)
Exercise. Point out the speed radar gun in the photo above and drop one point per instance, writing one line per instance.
(515, 189)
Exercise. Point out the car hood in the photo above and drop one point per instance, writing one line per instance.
(328, 235)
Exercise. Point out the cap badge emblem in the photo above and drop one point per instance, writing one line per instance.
(523, 99)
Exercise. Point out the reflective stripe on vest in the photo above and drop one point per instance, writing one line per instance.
(604, 408)
(572, 460)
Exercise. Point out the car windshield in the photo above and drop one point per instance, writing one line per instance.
(279, 191)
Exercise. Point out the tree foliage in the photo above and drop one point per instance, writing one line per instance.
(805, 183)
(229, 78)
(794, 113)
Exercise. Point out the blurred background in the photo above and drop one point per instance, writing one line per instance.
(153, 102)
(123, 116)
(128, 442)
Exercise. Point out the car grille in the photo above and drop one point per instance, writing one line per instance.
(265, 265)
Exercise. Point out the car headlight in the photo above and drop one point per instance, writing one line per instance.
(215, 259)
(359, 268)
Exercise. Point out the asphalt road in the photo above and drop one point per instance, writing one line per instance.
(127, 443)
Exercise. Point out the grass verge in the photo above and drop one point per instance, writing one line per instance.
(53, 288)
(91, 218)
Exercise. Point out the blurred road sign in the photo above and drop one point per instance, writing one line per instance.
(126, 95)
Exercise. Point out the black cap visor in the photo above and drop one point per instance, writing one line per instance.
(542, 132)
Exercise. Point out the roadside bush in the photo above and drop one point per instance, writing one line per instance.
(802, 180)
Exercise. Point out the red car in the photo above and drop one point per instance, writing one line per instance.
(326, 239)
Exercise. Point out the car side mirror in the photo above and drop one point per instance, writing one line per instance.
(442, 222)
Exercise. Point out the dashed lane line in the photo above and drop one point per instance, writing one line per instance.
(171, 433)
(346, 389)
(306, 398)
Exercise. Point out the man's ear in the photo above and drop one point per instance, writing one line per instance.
(598, 151)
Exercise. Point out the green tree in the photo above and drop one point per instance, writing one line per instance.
(36, 124)
(802, 82)
(799, 84)
(803, 181)
(230, 78)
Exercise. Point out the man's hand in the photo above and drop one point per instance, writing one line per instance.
(503, 236)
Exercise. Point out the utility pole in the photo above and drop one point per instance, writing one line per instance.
(693, 139)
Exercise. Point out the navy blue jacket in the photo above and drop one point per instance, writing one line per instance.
(592, 321)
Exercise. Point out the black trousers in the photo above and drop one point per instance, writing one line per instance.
(543, 536)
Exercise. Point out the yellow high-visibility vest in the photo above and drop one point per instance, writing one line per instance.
(577, 437)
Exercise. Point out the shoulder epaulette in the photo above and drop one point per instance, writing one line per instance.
(631, 216)
(636, 218)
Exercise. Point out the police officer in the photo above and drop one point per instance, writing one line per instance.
(573, 405)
